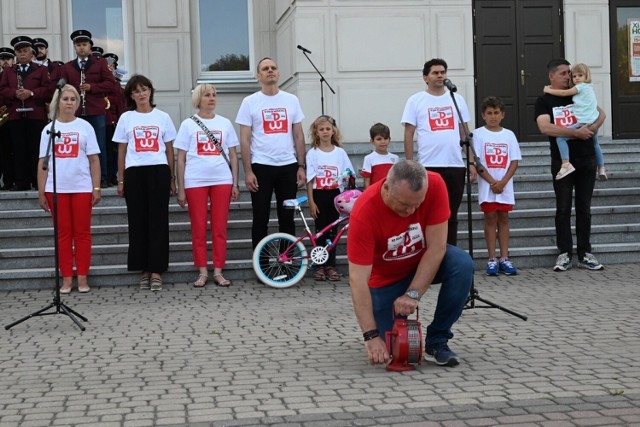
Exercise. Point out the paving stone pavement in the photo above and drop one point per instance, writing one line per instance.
(251, 355)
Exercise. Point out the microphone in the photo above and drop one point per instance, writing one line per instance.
(450, 85)
(303, 49)
(61, 83)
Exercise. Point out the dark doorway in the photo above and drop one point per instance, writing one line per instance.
(624, 18)
(514, 40)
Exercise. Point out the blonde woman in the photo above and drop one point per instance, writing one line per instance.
(77, 178)
(207, 173)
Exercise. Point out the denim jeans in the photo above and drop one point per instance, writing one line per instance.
(455, 275)
(582, 181)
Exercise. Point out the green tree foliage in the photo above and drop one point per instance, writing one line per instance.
(230, 62)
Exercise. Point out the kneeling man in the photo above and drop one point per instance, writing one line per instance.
(397, 246)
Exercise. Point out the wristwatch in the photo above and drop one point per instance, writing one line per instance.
(413, 294)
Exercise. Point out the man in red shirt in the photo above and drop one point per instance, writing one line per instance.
(397, 246)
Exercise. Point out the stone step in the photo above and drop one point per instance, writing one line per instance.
(184, 272)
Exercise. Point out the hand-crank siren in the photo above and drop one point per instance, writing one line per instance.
(404, 343)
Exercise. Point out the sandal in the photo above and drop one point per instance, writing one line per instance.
(202, 280)
(219, 280)
(145, 283)
(156, 284)
(332, 274)
(320, 274)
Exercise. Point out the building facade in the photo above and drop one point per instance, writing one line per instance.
(370, 53)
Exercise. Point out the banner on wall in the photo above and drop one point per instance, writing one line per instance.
(634, 49)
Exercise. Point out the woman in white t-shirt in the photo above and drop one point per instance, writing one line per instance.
(207, 175)
(145, 179)
(77, 185)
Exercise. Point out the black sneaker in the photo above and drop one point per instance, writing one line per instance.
(442, 355)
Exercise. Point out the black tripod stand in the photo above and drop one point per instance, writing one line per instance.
(322, 79)
(474, 295)
(60, 307)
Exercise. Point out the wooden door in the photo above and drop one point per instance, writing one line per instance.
(514, 40)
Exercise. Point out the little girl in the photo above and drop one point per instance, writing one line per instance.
(326, 161)
(585, 108)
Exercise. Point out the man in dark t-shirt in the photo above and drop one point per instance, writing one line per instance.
(554, 116)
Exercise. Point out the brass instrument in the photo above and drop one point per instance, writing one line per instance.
(23, 109)
(4, 114)
(107, 103)
(83, 95)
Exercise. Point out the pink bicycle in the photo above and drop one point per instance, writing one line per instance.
(281, 260)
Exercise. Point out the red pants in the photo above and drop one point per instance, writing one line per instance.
(197, 200)
(74, 231)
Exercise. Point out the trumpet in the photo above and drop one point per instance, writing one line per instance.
(4, 114)
(83, 95)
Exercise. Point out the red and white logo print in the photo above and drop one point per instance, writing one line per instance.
(496, 154)
(326, 178)
(206, 147)
(564, 117)
(275, 120)
(441, 118)
(146, 138)
(405, 245)
(68, 145)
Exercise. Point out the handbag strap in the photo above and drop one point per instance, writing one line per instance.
(212, 137)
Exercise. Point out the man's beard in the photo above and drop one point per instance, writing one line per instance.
(41, 56)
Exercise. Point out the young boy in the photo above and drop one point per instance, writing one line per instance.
(377, 164)
(499, 150)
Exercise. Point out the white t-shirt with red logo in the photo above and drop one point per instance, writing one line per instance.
(145, 135)
(496, 151)
(77, 141)
(271, 119)
(205, 165)
(436, 121)
(324, 168)
(376, 165)
(391, 244)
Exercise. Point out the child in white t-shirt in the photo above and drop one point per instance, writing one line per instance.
(585, 108)
(498, 149)
(377, 164)
(326, 163)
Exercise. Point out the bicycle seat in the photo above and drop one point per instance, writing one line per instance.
(293, 203)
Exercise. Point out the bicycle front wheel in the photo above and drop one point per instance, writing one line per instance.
(273, 272)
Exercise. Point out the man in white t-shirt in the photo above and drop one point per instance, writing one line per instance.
(433, 115)
(273, 151)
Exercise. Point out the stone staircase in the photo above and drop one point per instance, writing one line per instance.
(26, 232)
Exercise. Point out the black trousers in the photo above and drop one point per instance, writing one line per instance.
(146, 191)
(580, 183)
(454, 179)
(6, 157)
(327, 214)
(280, 180)
(25, 139)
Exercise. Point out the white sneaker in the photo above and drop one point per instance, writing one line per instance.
(563, 263)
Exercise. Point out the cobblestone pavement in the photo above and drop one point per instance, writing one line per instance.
(252, 355)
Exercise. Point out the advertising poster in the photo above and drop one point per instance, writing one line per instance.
(634, 50)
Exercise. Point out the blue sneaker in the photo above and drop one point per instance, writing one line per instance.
(441, 354)
(492, 267)
(506, 267)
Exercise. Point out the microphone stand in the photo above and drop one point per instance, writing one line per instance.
(322, 81)
(60, 307)
(474, 295)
